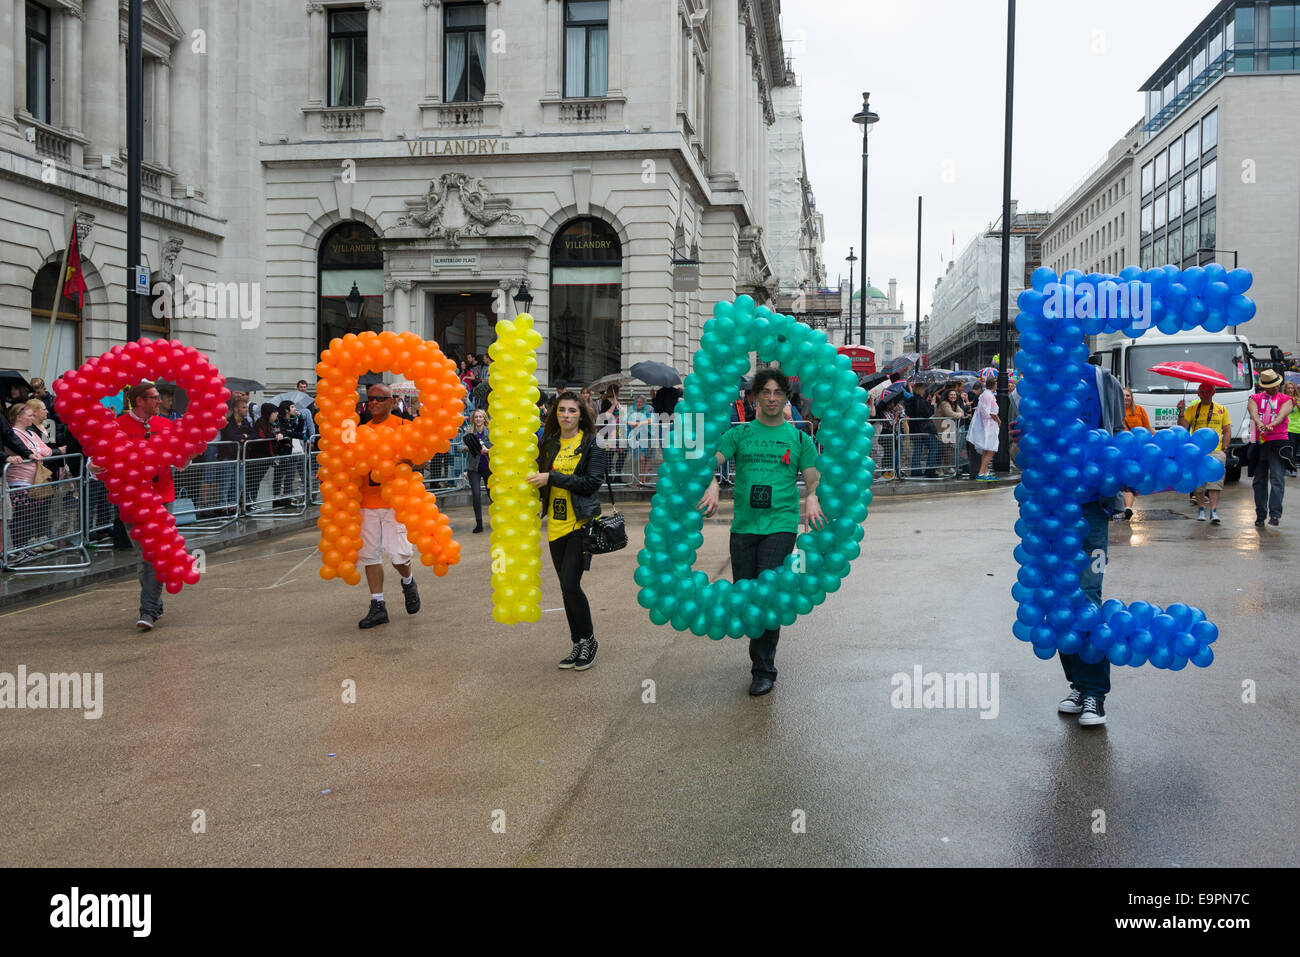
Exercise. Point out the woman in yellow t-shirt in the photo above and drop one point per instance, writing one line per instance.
(570, 471)
(1134, 417)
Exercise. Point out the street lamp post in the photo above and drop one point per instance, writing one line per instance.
(1002, 459)
(848, 321)
(865, 118)
(523, 298)
(353, 304)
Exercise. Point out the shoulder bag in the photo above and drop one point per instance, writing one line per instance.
(606, 533)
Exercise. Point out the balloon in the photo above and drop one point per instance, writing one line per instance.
(372, 455)
(673, 537)
(516, 538)
(1066, 461)
(133, 464)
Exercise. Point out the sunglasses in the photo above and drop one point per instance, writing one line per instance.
(379, 398)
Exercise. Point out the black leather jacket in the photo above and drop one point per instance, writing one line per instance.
(584, 484)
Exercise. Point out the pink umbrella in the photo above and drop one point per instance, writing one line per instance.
(1190, 372)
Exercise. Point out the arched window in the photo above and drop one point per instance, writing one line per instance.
(586, 286)
(65, 346)
(349, 255)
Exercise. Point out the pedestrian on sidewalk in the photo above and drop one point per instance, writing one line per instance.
(570, 471)
(1292, 391)
(477, 470)
(1207, 414)
(951, 415)
(1102, 408)
(380, 530)
(770, 453)
(1136, 417)
(141, 421)
(1270, 413)
(984, 429)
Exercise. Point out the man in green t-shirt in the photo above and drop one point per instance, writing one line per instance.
(769, 452)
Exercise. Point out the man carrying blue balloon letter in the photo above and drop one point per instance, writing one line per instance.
(769, 452)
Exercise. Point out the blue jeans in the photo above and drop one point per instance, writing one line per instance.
(151, 588)
(1270, 479)
(1091, 679)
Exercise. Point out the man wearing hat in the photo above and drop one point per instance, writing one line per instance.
(1208, 414)
(1269, 410)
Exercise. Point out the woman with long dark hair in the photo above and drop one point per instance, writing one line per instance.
(570, 471)
(257, 454)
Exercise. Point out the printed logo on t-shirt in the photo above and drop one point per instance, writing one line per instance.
(560, 510)
(785, 459)
(760, 496)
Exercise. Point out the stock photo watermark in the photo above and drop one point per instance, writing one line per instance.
(209, 300)
(36, 691)
(947, 690)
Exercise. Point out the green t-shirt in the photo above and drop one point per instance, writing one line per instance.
(768, 460)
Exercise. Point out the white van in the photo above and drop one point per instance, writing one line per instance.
(1229, 355)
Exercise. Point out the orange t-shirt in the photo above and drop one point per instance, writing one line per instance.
(1136, 417)
(370, 497)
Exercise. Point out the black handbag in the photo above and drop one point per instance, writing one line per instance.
(606, 533)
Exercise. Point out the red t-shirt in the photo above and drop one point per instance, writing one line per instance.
(133, 428)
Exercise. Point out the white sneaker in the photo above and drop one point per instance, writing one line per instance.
(1200, 515)
(1214, 517)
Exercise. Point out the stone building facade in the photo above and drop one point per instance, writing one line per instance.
(431, 155)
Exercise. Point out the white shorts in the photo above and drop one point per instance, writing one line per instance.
(381, 532)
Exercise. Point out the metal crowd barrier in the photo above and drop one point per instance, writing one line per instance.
(46, 520)
(207, 490)
(924, 454)
(275, 486)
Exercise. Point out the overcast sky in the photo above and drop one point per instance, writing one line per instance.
(936, 73)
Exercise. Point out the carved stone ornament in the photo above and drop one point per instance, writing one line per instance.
(85, 222)
(457, 206)
(171, 249)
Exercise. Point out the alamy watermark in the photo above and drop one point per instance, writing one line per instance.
(78, 691)
(1107, 300)
(949, 691)
(209, 300)
(651, 431)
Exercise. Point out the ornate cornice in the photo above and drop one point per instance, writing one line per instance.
(85, 222)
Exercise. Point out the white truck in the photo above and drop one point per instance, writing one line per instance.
(1229, 355)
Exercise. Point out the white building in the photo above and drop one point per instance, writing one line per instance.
(886, 321)
(796, 229)
(1218, 170)
(432, 154)
(1091, 228)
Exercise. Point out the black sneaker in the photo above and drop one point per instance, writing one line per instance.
(574, 655)
(1259, 522)
(1094, 711)
(1071, 703)
(146, 622)
(1275, 522)
(412, 596)
(378, 615)
(586, 654)
(1128, 514)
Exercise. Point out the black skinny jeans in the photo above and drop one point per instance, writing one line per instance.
(751, 554)
(569, 555)
(478, 486)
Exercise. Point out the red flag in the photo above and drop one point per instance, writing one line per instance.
(74, 280)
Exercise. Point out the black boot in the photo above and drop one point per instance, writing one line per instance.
(378, 615)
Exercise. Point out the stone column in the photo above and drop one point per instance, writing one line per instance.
(315, 54)
(7, 77)
(433, 65)
(554, 47)
(187, 83)
(373, 46)
(491, 65)
(72, 93)
(162, 105)
(614, 84)
(20, 56)
(121, 96)
(724, 54)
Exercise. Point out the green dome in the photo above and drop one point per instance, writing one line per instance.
(872, 291)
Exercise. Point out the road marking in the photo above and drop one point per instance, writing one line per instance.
(56, 601)
(282, 578)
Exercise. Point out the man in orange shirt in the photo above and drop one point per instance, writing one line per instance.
(380, 530)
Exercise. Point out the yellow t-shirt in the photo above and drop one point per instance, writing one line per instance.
(561, 520)
(1216, 418)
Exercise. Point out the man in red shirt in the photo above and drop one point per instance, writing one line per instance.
(380, 530)
(141, 421)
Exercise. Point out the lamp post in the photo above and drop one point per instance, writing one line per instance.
(848, 321)
(134, 153)
(523, 298)
(1002, 458)
(865, 118)
(353, 304)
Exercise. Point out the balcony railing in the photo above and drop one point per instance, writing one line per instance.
(344, 120)
(53, 144)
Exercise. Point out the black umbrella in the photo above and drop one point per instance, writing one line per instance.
(235, 384)
(932, 376)
(12, 377)
(871, 381)
(890, 395)
(904, 363)
(656, 373)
